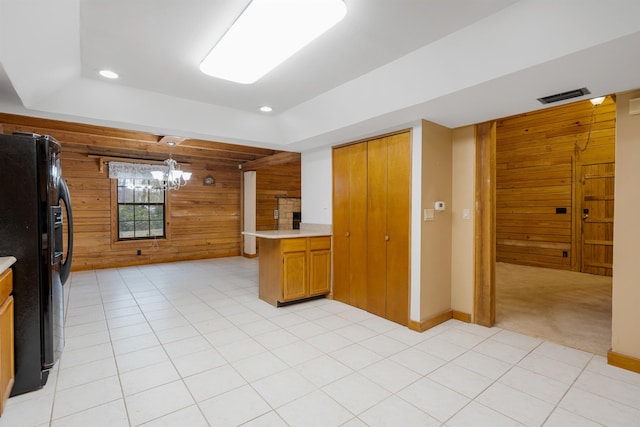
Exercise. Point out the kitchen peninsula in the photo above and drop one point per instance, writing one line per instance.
(294, 265)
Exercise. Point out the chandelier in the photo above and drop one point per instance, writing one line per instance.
(171, 177)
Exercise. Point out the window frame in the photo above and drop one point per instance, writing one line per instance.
(141, 242)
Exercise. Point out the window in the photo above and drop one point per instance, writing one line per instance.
(141, 209)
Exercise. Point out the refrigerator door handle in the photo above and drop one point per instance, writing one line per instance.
(63, 194)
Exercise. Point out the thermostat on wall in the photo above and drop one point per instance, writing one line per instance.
(439, 206)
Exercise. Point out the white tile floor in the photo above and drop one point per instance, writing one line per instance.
(190, 344)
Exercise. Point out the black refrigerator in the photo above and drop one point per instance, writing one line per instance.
(34, 205)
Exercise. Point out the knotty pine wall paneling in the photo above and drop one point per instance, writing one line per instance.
(202, 221)
(538, 155)
(271, 183)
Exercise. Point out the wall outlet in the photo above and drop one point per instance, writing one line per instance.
(276, 214)
(139, 252)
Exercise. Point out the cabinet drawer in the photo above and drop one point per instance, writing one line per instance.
(294, 245)
(6, 284)
(317, 243)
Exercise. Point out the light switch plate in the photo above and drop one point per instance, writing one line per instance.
(466, 214)
(429, 214)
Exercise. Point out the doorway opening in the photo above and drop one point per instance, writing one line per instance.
(553, 231)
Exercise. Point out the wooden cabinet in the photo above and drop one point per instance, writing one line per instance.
(294, 269)
(7, 362)
(372, 193)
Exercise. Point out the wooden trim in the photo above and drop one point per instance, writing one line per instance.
(114, 211)
(384, 135)
(485, 225)
(149, 261)
(144, 243)
(463, 317)
(270, 161)
(6, 284)
(168, 139)
(103, 160)
(242, 236)
(246, 255)
(576, 213)
(431, 322)
(622, 361)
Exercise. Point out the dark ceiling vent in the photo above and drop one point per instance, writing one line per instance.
(564, 95)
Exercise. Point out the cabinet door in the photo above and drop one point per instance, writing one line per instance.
(294, 284)
(6, 351)
(319, 271)
(377, 226)
(398, 226)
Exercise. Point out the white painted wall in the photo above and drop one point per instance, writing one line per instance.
(416, 222)
(317, 186)
(462, 230)
(249, 207)
(626, 234)
(435, 235)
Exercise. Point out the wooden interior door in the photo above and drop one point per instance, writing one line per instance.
(597, 218)
(377, 227)
(398, 227)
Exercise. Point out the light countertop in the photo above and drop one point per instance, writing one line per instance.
(6, 262)
(286, 234)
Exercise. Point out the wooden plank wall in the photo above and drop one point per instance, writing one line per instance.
(271, 183)
(537, 157)
(203, 221)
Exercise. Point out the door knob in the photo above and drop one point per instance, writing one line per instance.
(346, 234)
(387, 238)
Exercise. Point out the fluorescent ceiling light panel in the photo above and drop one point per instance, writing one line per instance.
(266, 34)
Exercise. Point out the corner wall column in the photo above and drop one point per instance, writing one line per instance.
(249, 212)
(485, 225)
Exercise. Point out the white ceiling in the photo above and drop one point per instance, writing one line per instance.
(388, 64)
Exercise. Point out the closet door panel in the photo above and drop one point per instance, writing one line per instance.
(358, 225)
(398, 227)
(341, 224)
(377, 227)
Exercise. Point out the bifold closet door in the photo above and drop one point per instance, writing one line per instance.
(398, 226)
(389, 174)
(340, 164)
(377, 227)
(350, 224)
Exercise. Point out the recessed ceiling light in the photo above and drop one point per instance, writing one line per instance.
(108, 74)
(266, 109)
(266, 34)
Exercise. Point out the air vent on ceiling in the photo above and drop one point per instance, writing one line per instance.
(564, 95)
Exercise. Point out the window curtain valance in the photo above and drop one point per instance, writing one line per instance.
(122, 170)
